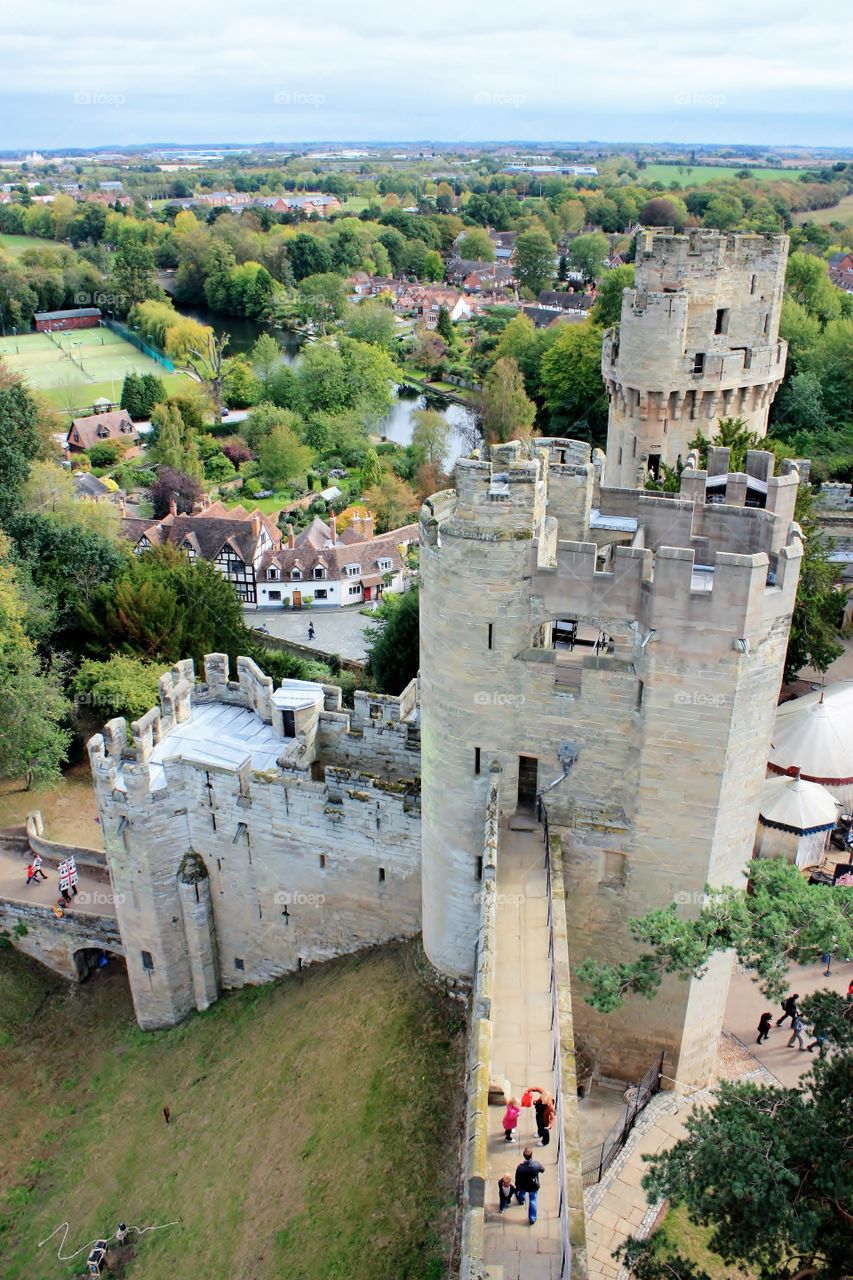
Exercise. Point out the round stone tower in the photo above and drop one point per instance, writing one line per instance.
(698, 341)
(479, 547)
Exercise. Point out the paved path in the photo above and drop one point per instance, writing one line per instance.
(617, 1207)
(746, 1004)
(522, 1052)
(337, 631)
(94, 892)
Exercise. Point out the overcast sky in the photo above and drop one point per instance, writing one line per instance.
(75, 73)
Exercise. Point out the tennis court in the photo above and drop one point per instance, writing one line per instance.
(77, 366)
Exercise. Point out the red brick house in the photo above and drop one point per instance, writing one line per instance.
(77, 318)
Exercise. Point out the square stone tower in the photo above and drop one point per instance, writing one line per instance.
(698, 341)
(625, 677)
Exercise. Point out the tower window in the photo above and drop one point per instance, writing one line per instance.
(381, 875)
(238, 964)
(752, 284)
(480, 867)
(767, 322)
(476, 760)
(634, 452)
(147, 962)
(722, 321)
(699, 362)
(491, 639)
(322, 861)
(639, 701)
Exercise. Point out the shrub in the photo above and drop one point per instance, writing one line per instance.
(104, 455)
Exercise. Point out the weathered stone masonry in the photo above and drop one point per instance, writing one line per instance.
(250, 831)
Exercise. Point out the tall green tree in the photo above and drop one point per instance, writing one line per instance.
(476, 245)
(33, 742)
(133, 275)
(768, 1169)
(814, 638)
(535, 260)
(783, 920)
(282, 456)
(608, 303)
(570, 380)
(587, 254)
(371, 472)
(393, 644)
(20, 443)
(506, 411)
(170, 436)
(321, 299)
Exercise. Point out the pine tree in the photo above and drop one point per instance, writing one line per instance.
(371, 472)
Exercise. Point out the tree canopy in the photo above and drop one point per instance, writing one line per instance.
(393, 644)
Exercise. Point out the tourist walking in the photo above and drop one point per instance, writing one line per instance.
(789, 1005)
(820, 1041)
(527, 1183)
(310, 630)
(545, 1113)
(506, 1190)
(37, 869)
(510, 1119)
(764, 1024)
(796, 1032)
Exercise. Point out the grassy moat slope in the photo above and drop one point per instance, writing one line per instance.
(314, 1130)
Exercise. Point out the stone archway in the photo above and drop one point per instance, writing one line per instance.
(87, 960)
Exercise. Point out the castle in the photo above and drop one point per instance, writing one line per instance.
(698, 341)
(611, 656)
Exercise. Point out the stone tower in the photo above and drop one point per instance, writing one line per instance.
(619, 655)
(698, 341)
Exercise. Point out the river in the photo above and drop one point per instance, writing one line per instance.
(399, 422)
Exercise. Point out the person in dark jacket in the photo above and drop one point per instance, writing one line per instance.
(527, 1183)
(506, 1191)
(545, 1113)
(789, 1005)
(764, 1024)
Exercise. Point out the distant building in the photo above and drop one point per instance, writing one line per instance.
(101, 428)
(841, 271)
(77, 318)
(234, 540)
(335, 569)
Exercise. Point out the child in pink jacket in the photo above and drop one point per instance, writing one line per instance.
(510, 1119)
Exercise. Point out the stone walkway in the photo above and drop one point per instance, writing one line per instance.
(339, 631)
(617, 1207)
(522, 1053)
(94, 892)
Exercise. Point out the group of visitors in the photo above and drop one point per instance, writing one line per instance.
(525, 1186)
(791, 1009)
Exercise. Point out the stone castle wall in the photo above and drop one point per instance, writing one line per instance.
(299, 863)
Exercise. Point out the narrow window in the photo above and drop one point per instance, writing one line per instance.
(242, 833)
(213, 822)
(699, 362)
(639, 695)
(722, 321)
(300, 963)
(238, 964)
(322, 861)
(634, 452)
(476, 760)
(752, 284)
(381, 875)
(620, 457)
(147, 962)
(218, 864)
(491, 644)
(480, 868)
(260, 912)
(767, 322)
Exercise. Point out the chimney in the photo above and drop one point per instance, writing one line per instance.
(367, 526)
(256, 525)
(333, 527)
(173, 505)
(291, 541)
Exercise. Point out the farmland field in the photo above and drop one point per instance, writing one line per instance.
(75, 368)
(699, 175)
(841, 212)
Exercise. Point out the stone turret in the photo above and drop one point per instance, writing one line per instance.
(626, 678)
(698, 341)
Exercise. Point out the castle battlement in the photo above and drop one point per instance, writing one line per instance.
(703, 251)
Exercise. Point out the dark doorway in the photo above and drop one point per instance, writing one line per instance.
(289, 718)
(528, 774)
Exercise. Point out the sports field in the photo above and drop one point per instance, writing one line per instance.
(698, 175)
(77, 367)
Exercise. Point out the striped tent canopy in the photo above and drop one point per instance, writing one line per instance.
(792, 804)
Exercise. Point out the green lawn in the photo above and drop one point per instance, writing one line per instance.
(16, 245)
(699, 175)
(684, 1237)
(105, 359)
(314, 1125)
